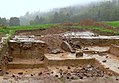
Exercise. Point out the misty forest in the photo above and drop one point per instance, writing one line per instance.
(98, 11)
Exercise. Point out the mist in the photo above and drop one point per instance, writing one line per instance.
(17, 8)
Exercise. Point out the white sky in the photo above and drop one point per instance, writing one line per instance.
(11, 8)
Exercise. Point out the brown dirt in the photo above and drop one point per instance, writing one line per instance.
(90, 22)
(70, 74)
(68, 24)
(53, 42)
(53, 30)
(87, 22)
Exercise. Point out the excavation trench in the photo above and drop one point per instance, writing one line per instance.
(33, 54)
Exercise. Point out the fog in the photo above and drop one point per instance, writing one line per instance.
(16, 8)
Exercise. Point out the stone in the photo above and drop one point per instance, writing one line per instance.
(76, 44)
(67, 77)
(68, 74)
(81, 77)
(7, 72)
(10, 59)
(107, 56)
(73, 51)
(20, 73)
(52, 72)
(79, 54)
(40, 73)
(85, 49)
(27, 45)
(66, 46)
(31, 74)
(89, 66)
(13, 76)
(56, 76)
(117, 79)
(42, 58)
(68, 67)
(72, 78)
(1, 72)
(118, 67)
(55, 51)
(104, 61)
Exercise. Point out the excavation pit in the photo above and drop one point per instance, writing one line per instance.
(33, 55)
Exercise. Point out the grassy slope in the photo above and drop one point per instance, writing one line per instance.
(92, 27)
(12, 29)
(114, 24)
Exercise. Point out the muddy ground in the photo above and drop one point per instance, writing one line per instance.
(67, 74)
(64, 60)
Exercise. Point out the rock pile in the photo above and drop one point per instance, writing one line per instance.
(79, 54)
(80, 72)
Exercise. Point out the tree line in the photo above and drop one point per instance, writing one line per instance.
(98, 11)
(13, 21)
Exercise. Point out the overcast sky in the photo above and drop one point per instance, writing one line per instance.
(11, 8)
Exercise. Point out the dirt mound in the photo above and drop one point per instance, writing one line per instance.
(90, 22)
(87, 22)
(53, 42)
(53, 30)
(68, 24)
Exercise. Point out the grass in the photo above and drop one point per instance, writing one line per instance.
(114, 24)
(12, 29)
(94, 28)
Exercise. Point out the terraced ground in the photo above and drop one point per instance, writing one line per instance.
(62, 53)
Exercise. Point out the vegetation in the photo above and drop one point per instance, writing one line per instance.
(103, 10)
(3, 21)
(12, 29)
(114, 24)
(14, 21)
(94, 28)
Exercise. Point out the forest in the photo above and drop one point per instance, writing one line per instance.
(98, 11)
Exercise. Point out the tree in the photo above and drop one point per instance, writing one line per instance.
(56, 17)
(14, 21)
(42, 20)
(3, 21)
(35, 21)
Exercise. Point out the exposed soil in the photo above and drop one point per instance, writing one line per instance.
(57, 74)
(68, 56)
(90, 22)
(53, 42)
(53, 30)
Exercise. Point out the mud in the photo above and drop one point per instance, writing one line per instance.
(85, 57)
(90, 22)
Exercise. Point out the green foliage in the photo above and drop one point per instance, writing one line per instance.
(105, 10)
(3, 21)
(12, 29)
(14, 21)
(37, 21)
(114, 24)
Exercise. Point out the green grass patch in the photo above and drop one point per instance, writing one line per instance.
(114, 24)
(92, 27)
(12, 29)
